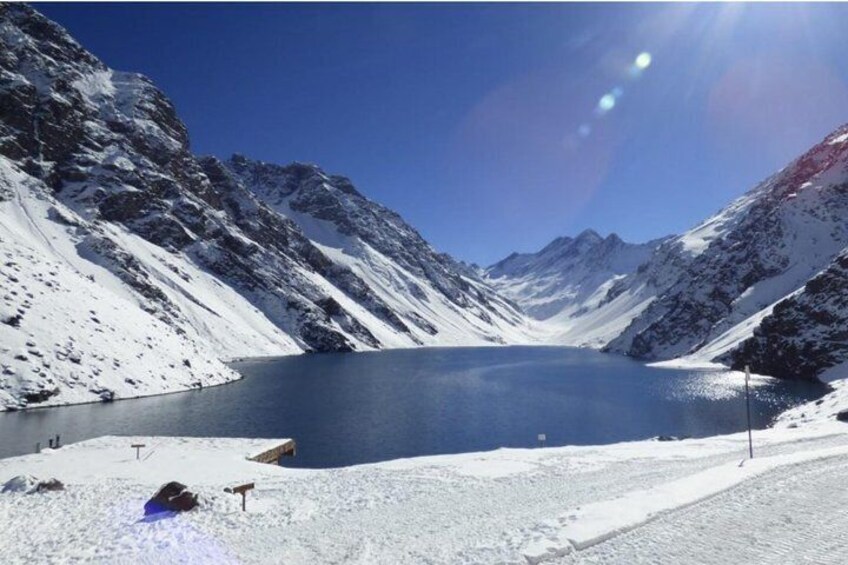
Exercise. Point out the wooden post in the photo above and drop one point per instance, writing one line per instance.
(57, 441)
(137, 447)
(50, 442)
(242, 490)
(748, 411)
(38, 447)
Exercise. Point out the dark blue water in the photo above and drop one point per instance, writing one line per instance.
(362, 407)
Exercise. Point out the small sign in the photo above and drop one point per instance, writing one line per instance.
(542, 437)
(242, 490)
(137, 447)
(748, 410)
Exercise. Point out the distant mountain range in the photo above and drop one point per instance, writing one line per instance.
(131, 266)
(570, 276)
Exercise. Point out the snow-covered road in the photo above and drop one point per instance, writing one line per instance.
(794, 514)
(687, 501)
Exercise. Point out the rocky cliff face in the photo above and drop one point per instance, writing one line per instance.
(335, 216)
(227, 258)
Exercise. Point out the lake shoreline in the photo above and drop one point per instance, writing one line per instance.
(673, 364)
(467, 399)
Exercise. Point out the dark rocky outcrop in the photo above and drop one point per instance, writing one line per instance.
(42, 395)
(27, 484)
(806, 333)
(171, 497)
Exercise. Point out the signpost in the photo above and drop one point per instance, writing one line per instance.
(242, 490)
(748, 410)
(542, 438)
(137, 447)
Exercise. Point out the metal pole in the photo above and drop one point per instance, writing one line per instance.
(748, 411)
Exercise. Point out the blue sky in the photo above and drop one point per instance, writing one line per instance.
(481, 124)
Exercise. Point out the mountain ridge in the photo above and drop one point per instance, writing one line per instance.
(98, 176)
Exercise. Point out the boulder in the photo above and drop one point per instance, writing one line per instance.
(50, 484)
(842, 416)
(28, 484)
(172, 497)
(21, 483)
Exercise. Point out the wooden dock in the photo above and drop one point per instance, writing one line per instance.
(287, 448)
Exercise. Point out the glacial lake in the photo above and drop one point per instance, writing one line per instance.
(353, 408)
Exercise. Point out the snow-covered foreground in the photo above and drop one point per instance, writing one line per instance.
(687, 501)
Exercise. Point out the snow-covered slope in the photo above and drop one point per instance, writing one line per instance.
(228, 259)
(568, 276)
(426, 295)
(567, 282)
(73, 332)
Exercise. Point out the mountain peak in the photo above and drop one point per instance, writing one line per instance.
(588, 235)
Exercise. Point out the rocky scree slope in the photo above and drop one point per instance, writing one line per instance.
(100, 195)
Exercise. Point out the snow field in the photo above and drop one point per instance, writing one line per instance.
(508, 505)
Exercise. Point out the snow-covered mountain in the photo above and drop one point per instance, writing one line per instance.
(722, 278)
(702, 294)
(570, 276)
(132, 266)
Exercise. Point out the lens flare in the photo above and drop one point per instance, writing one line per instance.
(643, 61)
(606, 103)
